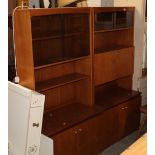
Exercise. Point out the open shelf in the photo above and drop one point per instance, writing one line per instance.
(59, 81)
(112, 48)
(57, 120)
(109, 30)
(63, 60)
(113, 95)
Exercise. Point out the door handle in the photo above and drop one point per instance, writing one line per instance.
(36, 125)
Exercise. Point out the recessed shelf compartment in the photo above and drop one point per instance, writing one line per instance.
(113, 20)
(59, 81)
(109, 96)
(62, 60)
(113, 40)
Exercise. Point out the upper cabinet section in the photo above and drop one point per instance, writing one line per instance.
(56, 36)
(111, 19)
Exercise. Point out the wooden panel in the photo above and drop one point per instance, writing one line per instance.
(24, 54)
(38, 12)
(108, 128)
(50, 72)
(86, 139)
(130, 112)
(58, 97)
(104, 67)
(112, 9)
(59, 81)
(125, 62)
(65, 143)
(109, 95)
(84, 89)
(125, 82)
(113, 40)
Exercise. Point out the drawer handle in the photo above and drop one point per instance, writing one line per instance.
(36, 125)
(124, 108)
(75, 132)
(124, 9)
(80, 129)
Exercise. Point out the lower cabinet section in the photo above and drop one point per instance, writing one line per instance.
(94, 135)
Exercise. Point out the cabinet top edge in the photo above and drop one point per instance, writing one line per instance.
(66, 10)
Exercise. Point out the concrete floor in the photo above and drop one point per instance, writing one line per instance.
(119, 147)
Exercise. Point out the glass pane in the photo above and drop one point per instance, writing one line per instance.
(104, 21)
(123, 19)
(60, 37)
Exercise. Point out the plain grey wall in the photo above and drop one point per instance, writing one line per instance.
(107, 3)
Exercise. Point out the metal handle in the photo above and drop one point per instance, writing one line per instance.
(124, 108)
(124, 9)
(36, 125)
(75, 132)
(80, 129)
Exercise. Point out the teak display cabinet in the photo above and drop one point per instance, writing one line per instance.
(82, 59)
(57, 54)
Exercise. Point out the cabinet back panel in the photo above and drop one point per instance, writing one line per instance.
(76, 92)
(81, 66)
(59, 96)
(55, 37)
(54, 71)
(113, 40)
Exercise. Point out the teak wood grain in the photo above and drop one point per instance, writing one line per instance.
(83, 63)
(23, 48)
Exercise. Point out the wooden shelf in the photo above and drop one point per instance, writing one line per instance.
(113, 96)
(59, 81)
(60, 119)
(57, 36)
(102, 50)
(110, 30)
(63, 60)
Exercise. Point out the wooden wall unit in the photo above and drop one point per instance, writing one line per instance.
(82, 60)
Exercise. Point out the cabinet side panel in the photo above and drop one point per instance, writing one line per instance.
(23, 44)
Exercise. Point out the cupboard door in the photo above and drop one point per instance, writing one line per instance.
(129, 116)
(104, 67)
(65, 142)
(86, 139)
(108, 128)
(125, 61)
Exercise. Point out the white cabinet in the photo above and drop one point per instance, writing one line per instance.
(25, 110)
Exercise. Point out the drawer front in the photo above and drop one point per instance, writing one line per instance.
(104, 67)
(125, 62)
(34, 131)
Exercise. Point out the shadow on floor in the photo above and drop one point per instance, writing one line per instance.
(119, 147)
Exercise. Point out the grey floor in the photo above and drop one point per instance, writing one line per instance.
(119, 147)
